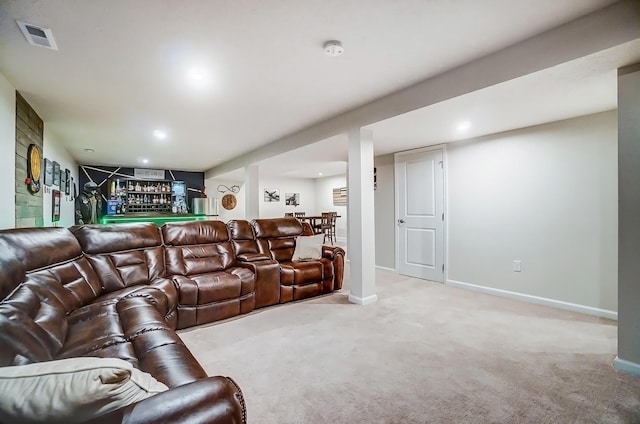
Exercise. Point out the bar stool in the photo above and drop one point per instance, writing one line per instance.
(328, 225)
(288, 215)
(299, 214)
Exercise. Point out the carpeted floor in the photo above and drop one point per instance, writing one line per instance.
(424, 353)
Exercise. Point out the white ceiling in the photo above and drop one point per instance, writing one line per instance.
(121, 72)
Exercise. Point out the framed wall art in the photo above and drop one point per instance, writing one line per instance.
(55, 205)
(292, 199)
(63, 181)
(67, 182)
(271, 195)
(56, 173)
(48, 172)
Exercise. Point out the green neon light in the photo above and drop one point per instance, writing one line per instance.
(158, 220)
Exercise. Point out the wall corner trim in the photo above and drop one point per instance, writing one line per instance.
(363, 301)
(559, 304)
(625, 366)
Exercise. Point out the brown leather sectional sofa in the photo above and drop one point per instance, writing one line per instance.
(121, 291)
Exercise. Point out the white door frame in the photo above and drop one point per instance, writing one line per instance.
(445, 206)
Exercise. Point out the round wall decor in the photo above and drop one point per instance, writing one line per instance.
(34, 159)
(229, 201)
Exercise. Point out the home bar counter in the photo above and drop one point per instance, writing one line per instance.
(158, 219)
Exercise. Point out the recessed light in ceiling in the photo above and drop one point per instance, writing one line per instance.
(89, 150)
(333, 48)
(320, 174)
(197, 75)
(159, 134)
(464, 126)
(145, 161)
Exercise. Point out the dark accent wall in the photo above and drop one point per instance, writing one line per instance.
(29, 129)
(101, 174)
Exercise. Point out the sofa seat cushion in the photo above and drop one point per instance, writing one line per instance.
(302, 272)
(71, 390)
(92, 328)
(207, 288)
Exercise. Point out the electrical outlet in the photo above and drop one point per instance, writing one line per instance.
(517, 266)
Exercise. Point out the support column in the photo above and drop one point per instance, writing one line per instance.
(628, 359)
(251, 192)
(360, 218)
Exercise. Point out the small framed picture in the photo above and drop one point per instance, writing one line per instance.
(56, 173)
(271, 195)
(67, 182)
(55, 205)
(292, 199)
(48, 172)
(63, 181)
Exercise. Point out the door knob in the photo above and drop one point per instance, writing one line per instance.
(401, 221)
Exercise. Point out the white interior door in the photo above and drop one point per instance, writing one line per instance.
(420, 217)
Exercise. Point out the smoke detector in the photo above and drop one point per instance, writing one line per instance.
(333, 48)
(38, 36)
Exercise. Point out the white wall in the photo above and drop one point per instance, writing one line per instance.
(385, 212)
(7, 153)
(324, 202)
(304, 186)
(545, 195)
(224, 215)
(629, 208)
(54, 151)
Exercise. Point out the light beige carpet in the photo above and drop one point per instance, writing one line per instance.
(425, 353)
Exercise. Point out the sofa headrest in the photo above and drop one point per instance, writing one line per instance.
(96, 239)
(41, 247)
(239, 229)
(276, 227)
(194, 232)
(11, 270)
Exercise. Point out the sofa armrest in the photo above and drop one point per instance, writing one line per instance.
(253, 257)
(330, 252)
(215, 400)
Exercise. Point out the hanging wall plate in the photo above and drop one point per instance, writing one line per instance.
(229, 201)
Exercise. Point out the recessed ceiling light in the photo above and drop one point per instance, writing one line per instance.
(89, 150)
(197, 75)
(159, 134)
(320, 174)
(463, 126)
(145, 161)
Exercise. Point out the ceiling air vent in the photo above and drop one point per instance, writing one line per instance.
(38, 36)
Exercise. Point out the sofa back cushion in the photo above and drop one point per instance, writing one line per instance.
(242, 238)
(277, 236)
(196, 247)
(49, 278)
(123, 255)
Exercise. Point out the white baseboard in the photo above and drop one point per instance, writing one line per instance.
(626, 366)
(385, 268)
(363, 301)
(574, 307)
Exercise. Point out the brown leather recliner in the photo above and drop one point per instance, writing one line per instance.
(298, 279)
(201, 263)
(128, 258)
(266, 270)
(53, 305)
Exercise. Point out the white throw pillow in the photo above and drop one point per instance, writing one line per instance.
(71, 390)
(308, 247)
